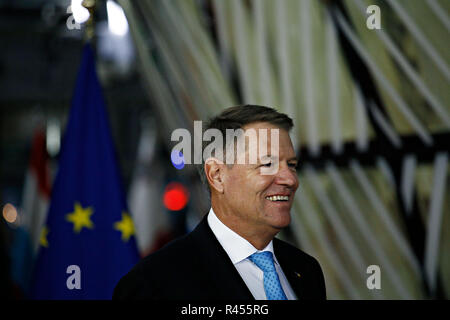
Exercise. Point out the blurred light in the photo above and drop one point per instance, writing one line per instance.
(53, 137)
(9, 213)
(176, 196)
(117, 22)
(80, 13)
(177, 159)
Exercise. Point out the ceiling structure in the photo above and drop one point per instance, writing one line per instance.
(371, 109)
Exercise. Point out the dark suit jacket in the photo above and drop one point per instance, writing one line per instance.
(196, 267)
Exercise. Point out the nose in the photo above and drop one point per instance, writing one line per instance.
(287, 177)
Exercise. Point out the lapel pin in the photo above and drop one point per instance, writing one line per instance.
(297, 274)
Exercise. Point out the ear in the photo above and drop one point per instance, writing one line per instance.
(214, 170)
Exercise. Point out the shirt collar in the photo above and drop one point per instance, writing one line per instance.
(236, 247)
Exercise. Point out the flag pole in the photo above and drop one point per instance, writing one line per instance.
(90, 5)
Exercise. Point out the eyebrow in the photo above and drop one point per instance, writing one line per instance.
(290, 159)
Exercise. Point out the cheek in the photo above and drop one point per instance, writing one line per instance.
(248, 185)
(235, 186)
(296, 183)
(262, 184)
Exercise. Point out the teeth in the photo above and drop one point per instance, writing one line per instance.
(278, 198)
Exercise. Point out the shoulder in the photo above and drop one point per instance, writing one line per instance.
(156, 276)
(283, 248)
(296, 261)
(144, 280)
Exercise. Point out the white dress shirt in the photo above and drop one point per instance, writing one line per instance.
(239, 249)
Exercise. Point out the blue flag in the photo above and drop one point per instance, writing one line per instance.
(87, 243)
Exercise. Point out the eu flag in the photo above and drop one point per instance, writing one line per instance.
(87, 243)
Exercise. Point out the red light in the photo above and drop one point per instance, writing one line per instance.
(176, 196)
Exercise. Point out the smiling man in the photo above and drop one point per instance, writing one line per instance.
(233, 252)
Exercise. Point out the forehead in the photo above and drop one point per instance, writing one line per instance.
(261, 125)
(283, 143)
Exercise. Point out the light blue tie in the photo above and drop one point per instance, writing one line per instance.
(272, 285)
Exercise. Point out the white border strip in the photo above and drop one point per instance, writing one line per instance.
(200, 46)
(157, 89)
(407, 183)
(263, 60)
(222, 34)
(399, 238)
(435, 220)
(308, 65)
(409, 71)
(399, 102)
(285, 69)
(362, 141)
(386, 170)
(353, 251)
(310, 218)
(421, 39)
(385, 126)
(242, 50)
(367, 234)
(333, 85)
(439, 12)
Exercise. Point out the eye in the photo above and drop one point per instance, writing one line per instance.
(293, 166)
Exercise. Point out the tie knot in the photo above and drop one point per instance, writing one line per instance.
(264, 261)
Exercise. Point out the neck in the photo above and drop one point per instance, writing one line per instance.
(258, 237)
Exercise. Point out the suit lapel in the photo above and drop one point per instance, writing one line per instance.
(225, 280)
(293, 274)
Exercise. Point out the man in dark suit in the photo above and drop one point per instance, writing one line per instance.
(233, 252)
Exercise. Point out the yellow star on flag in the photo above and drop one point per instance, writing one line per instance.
(81, 217)
(125, 226)
(43, 238)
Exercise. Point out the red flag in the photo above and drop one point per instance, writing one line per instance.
(36, 192)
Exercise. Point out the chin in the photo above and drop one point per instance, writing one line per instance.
(284, 224)
(281, 221)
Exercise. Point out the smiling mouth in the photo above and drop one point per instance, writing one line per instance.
(277, 198)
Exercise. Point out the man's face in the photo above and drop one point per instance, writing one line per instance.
(259, 200)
